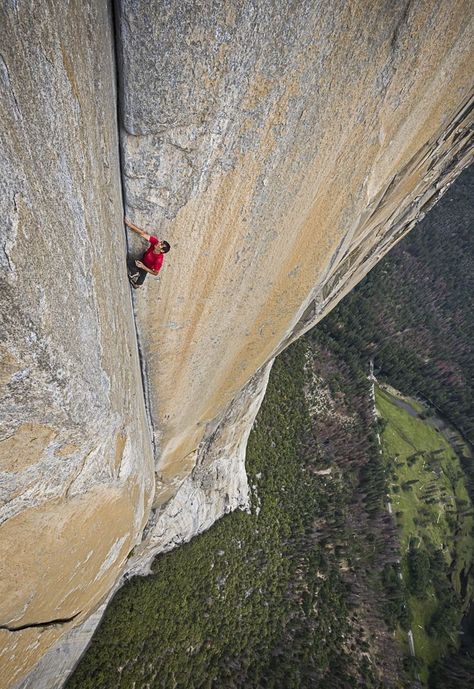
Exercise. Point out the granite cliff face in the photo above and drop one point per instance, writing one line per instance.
(76, 464)
(282, 149)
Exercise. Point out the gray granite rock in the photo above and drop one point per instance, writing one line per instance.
(76, 465)
(216, 486)
(282, 148)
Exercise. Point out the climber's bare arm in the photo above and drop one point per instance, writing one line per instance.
(136, 229)
(144, 267)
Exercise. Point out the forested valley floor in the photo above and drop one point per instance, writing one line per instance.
(290, 595)
(305, 590)
(413, 316)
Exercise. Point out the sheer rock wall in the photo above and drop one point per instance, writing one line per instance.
(76, 467)
(282, 149)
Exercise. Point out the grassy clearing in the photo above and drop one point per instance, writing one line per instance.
(434, 515)
(417, 406)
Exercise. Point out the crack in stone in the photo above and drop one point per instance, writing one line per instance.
(7, 71)
(77, 474)
(399, 25)
(49, 623)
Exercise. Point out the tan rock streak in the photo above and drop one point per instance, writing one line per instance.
(57, 562)
(76, 478)
(217, 483)
(67, 557)
(282, 148)
(305, 141)
(25, 447)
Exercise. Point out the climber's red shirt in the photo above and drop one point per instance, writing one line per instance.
(151, 260)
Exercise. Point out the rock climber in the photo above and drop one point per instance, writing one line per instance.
(151, 260)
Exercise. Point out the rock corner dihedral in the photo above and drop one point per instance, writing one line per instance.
(282, 149)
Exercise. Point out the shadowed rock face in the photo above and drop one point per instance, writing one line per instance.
(282, 148)
(75, 459)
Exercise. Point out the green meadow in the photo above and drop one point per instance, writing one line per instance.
(434, 514)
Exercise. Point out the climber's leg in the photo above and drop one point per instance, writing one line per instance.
(138, 282)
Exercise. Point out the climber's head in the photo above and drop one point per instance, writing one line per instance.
(161, 247)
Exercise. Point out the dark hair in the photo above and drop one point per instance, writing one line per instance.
(165, 247)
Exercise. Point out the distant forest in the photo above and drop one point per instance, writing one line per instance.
(414, 316)
(304, 592)
(414, 312)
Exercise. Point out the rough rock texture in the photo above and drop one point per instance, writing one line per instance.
(282, 149)
(217, 484)
(57, 663)
(76, 470)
